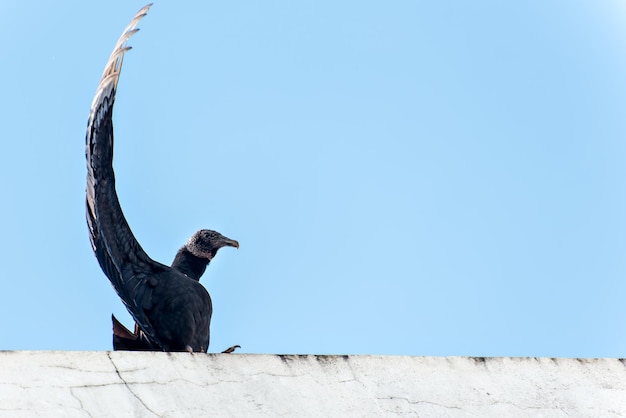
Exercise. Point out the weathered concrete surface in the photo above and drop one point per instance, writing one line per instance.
(107, 384)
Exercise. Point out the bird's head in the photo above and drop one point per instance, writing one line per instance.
(205, 243)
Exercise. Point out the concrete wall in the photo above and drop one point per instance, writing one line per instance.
(103, 384)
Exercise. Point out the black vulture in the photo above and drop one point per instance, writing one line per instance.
(170, 306)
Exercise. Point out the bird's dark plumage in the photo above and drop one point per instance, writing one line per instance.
(171, 308)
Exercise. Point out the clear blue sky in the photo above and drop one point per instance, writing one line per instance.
(408, 177)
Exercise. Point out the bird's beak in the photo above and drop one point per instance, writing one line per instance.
(227, 242)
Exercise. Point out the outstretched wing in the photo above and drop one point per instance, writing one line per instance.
(130, 270)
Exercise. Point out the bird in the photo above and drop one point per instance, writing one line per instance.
(171, 308)
(192, 267)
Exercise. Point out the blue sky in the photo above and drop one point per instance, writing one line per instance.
(410, 178)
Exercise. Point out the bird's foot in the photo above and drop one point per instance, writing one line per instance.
(231, 349)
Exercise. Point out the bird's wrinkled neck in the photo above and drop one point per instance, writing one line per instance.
(190, 265)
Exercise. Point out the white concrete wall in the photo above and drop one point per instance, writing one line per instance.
(107, 384)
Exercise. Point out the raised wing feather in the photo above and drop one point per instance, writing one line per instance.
(130, 270)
